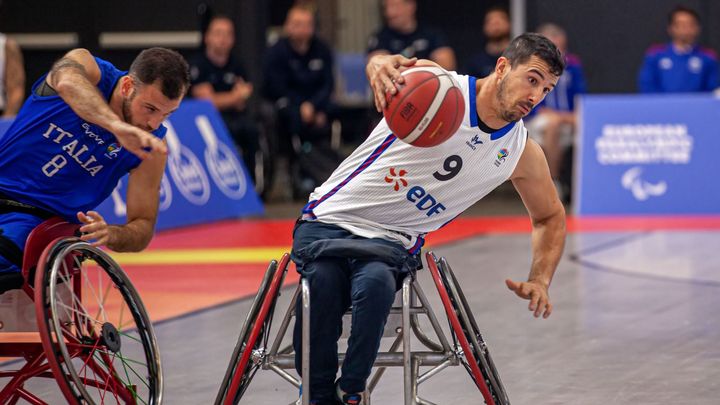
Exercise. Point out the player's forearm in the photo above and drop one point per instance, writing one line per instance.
(83, 97)
(548, 242)
(131, 237)
(15, 98)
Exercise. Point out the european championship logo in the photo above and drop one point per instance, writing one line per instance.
(112, 150)
(501, 155)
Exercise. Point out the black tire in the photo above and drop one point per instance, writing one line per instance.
(258, 323)
(94, 328)
(472, 333)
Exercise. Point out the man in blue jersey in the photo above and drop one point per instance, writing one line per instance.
(359, 235)
(85, 125)
(680, 66)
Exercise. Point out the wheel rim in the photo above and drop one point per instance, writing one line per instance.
(472, 334)
(105, 347)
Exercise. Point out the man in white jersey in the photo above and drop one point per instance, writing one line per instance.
(362, 230)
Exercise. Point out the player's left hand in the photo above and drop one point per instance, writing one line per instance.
(94, 229)
(534, 291)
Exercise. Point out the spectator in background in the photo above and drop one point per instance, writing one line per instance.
(217, 76)
(12, 77)
(553, 122)
(496, 28)
(299, 80)
(401, 34)
(681, 65)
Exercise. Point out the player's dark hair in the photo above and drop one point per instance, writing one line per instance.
(682, 9)
(163, 65)
(528, 44)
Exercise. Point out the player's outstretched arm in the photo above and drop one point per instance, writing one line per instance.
(142, 207)
(532, 181)
(75, 77)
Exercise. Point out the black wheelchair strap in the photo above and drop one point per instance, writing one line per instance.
(10, 251)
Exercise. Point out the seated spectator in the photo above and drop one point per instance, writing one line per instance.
(402, 34)
(12, 77)
(299, 80)
(217, 76)
(680, 65)
(553, 121)
(496, 28)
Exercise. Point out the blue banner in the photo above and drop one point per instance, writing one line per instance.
(654, 154)
(204, 180)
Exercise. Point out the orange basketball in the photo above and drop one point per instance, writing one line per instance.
(428, 108)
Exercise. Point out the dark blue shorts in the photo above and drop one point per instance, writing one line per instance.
(16, 227)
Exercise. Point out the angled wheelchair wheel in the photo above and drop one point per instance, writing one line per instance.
(472, 332)
(94, 328)
(474, 352)
(249, 351)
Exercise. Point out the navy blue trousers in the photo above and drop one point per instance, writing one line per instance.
(343, 271)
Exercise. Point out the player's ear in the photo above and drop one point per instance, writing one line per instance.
(126, 85)
(502, 67)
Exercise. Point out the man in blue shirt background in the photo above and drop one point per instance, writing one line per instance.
(681, 65)
(84, 126)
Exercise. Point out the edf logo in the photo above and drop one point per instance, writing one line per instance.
(424, 201)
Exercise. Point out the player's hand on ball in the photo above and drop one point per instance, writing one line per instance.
(383, 73)
(534, 291)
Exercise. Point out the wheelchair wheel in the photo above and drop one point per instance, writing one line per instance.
(94, 329)
(249, 351)
(468, 356)
(472, 333)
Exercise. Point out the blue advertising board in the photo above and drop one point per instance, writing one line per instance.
(648, 154)
(204, 180)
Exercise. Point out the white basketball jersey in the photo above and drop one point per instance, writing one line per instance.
(389, 189)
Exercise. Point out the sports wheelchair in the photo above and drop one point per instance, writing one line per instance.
(91, 340)
(254, 351)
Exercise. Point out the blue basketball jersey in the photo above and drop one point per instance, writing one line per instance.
(54, 160)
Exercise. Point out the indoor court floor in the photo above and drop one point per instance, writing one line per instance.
(635, 318)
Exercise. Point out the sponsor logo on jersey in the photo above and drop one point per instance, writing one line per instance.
(91, 134)
(501, 156)
(417, 195)
(112, 150)
(474, 141)
(425, 202)
(397, 178)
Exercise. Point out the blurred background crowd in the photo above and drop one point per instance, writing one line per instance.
(288, 76)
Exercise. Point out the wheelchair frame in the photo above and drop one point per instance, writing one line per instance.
(468, 348)
(53, 268)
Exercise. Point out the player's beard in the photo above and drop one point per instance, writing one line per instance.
(126, 111)
(506, 113)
